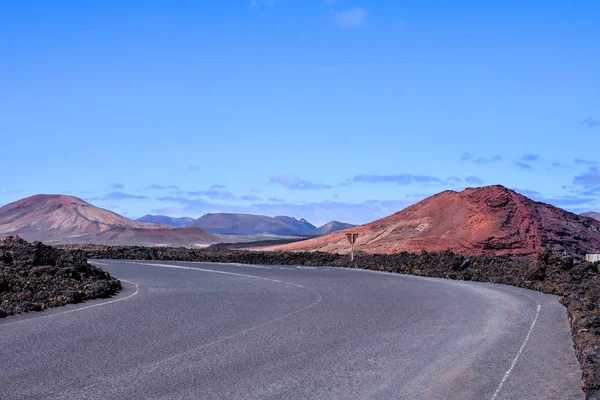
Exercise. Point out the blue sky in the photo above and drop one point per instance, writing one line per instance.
(347, 110)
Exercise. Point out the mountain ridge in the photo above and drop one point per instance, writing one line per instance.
(592, 214)
(62, 219)
(491, 220)
(175, 222)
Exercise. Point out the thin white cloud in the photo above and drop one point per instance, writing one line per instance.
(353, 18)
(294, 182)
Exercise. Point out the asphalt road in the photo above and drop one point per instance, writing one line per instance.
(218, 331)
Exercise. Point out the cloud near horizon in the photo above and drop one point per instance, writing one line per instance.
(474, 180)
(523, 165)
(213, 192)
(530, 157)
(468, 157)
(582, 196)
(296, 183)
(589, 179)
(317, 213)
(408, 179)
(155, 186)
(400, 179)
(585, 162)
(251, 197)
(120, 196)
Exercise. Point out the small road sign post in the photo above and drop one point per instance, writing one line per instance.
(352, 239)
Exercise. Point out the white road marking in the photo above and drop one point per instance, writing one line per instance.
(156, 363)
(217, 272)
(137, 289)
(514, 362)
(245, 330)
(253, 266)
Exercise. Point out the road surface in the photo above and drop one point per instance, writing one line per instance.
(227, 331)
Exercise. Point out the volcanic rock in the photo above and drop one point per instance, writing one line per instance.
(34, 276)
(491, 221)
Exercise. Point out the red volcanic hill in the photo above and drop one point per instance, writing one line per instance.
(67, 219)
(491, 220)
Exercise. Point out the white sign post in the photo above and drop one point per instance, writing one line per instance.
(352, 239)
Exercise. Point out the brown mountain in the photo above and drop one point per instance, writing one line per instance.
(592, 214)
(250, 224)
(332, 226)
(67, 219)
(491, 220)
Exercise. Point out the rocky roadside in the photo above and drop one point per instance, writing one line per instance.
(576, 281)
(34, 277)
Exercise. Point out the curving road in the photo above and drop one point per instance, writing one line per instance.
(225, 331)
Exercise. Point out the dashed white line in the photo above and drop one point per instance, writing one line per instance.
(156, 363)
(245, 330)
(514, 362)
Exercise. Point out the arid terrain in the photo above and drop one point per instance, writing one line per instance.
(34, 277)
(59, 219)
(491, 220)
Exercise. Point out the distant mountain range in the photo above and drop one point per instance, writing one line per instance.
(332, 226)
(491, 220)
(249, 224)
(164, 220)
(60, 219)
(592, 214)
(65, 219)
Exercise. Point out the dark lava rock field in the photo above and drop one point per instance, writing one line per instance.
(34, 277)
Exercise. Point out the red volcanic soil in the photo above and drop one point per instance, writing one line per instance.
(491, 221)
(67, 219)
